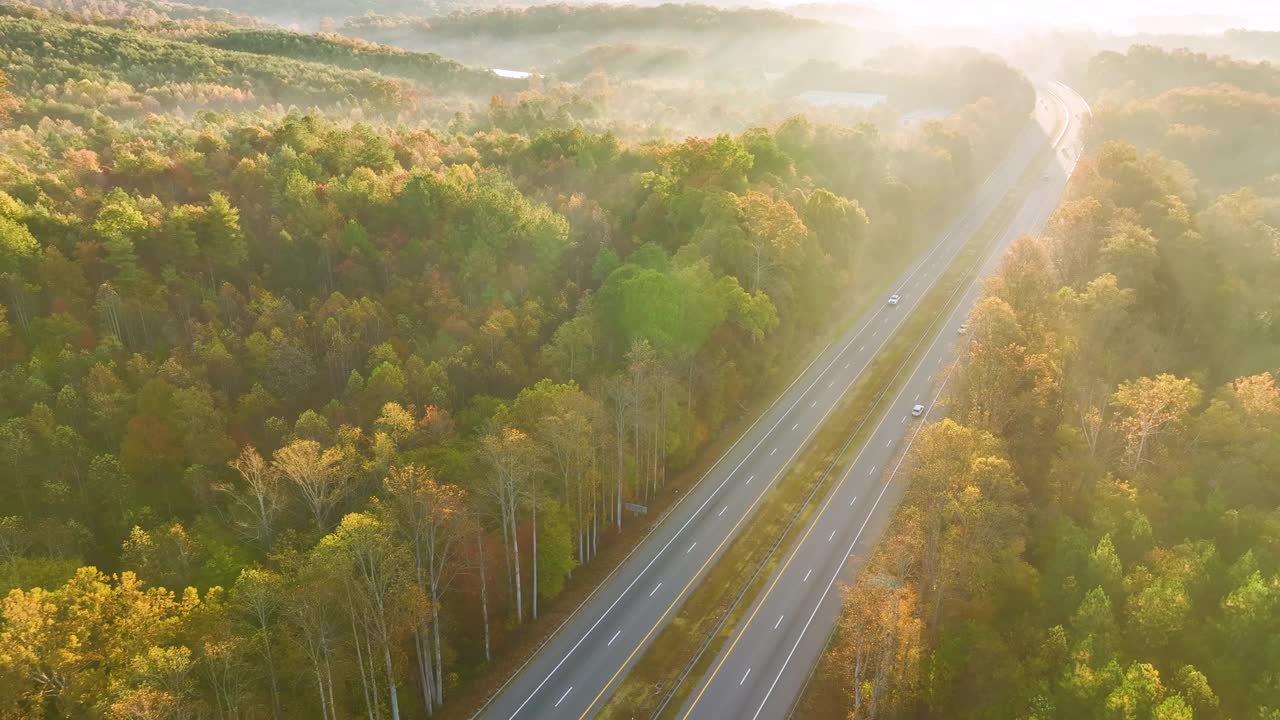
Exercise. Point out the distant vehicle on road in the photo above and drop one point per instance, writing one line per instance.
(1044, 176)
(893, 299)
(917, 411)
(963, 329)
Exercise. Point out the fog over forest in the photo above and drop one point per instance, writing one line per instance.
(449, 358)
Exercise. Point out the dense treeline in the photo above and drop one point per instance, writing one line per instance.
(1094, 529)
(352, 54)
(1146, 70)
(1227, 128)
(942, 78)
(631, 60)
(75, 69)
(306, 418)
(738, 47)
(120, 68)
(977, 87)
(600, 17)
(143, 12)
(313, 14)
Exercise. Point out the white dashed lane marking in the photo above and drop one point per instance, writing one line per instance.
(565, 695)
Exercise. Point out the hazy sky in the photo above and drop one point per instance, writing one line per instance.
(1109, 14)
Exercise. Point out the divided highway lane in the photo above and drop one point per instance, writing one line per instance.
(569, 676)
(763, 669)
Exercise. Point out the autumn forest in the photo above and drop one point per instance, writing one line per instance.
(330, 365)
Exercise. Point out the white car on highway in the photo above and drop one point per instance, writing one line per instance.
(917, 411)
(893, 299)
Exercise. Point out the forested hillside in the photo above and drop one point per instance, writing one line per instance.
(304, 416)
(73, 69)
(144, 12)
(1219, 116)
(1094, 529)
(738, 45)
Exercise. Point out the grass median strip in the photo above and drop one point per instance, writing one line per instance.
(678, 658)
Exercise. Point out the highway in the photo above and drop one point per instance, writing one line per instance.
(762, 669)
(574, 671)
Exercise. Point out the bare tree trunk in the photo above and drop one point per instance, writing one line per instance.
(424, 669)
(534, 596)
(328, 670)
(515, 549)
(484, 594)
(579, 523)
(271, 672)
(364, 682)
(324, 707)
(435, 631)
(506, 546)
(391, 678)
(373, 679)
(622, 465)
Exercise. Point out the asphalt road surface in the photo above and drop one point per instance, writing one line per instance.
(762, 670)
(575, 670)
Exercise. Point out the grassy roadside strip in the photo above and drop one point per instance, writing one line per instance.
(685, 648)
(470, 698)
